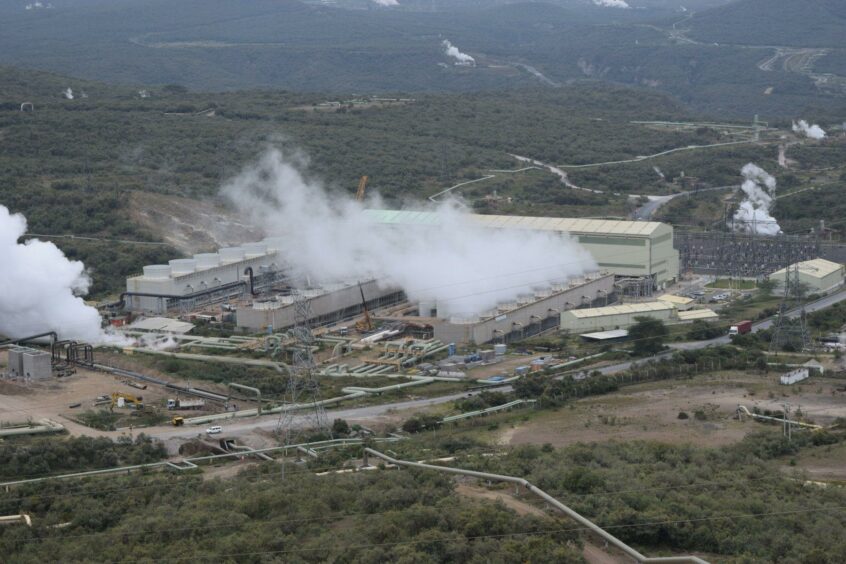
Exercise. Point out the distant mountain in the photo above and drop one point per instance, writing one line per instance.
(793, 23)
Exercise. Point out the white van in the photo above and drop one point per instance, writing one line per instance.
(215, 430)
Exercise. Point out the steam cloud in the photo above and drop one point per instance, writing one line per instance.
(753, 215)
(466, 269)
(39, 288)
(68, 93)
(611, 3)
(387, 2)
(452, 51)
(812, 131)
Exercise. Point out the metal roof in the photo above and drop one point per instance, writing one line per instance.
(624, 309)
(606, 335)
(557, 224)
(163, 324)
(692, 314)
(816, 268)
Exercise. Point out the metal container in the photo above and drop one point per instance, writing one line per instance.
(499, 349)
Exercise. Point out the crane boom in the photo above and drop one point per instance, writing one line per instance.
(362, 187)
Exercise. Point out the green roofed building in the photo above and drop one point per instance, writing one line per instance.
(626, 248)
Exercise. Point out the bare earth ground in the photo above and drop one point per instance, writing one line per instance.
(650, 411)
(824, 463)
(190, 225)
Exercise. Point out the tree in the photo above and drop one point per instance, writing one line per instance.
(647, 335)
(767, 286)
(340, 427)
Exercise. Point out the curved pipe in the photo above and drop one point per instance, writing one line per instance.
(256, 391)
(51, 334)
(611, 539)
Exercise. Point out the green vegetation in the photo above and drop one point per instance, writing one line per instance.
(31, 458)
(648, 335)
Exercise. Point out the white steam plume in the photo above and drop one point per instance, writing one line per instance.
(611, 3)
(68, 93)
(753, 215)
(466, 269)
(40, 287)
(387, 2)
(812, 131)
(452, 51)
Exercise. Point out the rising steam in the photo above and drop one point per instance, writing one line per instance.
(452, 51)
(611, 3)
(40, 288)
(753, 215)
(68, 93)
(466, 269)
(387, 2)
(811, 131)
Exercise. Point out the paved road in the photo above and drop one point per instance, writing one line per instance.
(268, 422)
(647, 210)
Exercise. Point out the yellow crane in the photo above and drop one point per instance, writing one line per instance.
(365, 324)
(127, 398)
(362, 187)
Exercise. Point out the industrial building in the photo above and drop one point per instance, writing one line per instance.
(205, 278)
(820, 276)
(642, 249)
(530, 314)
(613, 317)
(328, 304)
(31, 364)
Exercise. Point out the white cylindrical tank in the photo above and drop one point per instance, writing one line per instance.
(229, 255)
(157, 271)
(182, 266)
(252, 250)
(207, 260)
(499, 349)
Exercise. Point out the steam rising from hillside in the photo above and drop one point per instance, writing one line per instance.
(466, 269)
(753, 215)
(39, 288)
(611, 3)
(68, 93)
(452, 51)
(812, 131)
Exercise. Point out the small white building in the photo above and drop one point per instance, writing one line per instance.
(681, 303)
(821, 276)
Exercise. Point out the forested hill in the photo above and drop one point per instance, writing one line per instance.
(358, 46)
(792, 23)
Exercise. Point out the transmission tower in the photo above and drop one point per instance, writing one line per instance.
(793, 332)
(303, 387)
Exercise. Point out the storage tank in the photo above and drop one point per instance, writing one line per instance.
(499, 349)
(207, 260)
(182, 266)
(229, 255)
(158, 271)
(253, 250)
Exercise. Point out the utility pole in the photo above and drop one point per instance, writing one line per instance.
(302, 381)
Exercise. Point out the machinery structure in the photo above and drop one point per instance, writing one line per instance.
(791, 331)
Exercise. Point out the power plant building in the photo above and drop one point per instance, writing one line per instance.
(820, 276)
(528, 315)
(626, 248)
(203, 278)
(614, 317)
(329, 304)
